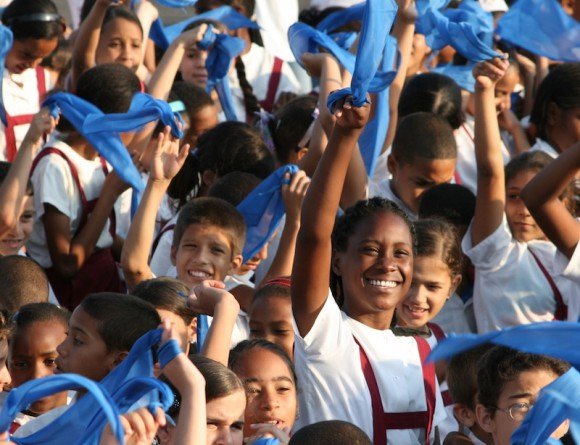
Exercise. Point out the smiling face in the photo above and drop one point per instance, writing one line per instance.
(120, 42)
(33, 356)
(410, 180)
(15, 239)
(192, 66)
(431, 287)
(376, 268)
(225, 419)
(504, 89)
(28, 53)
(520, 221)
(270, 390)
(271, 319)
(204, 253)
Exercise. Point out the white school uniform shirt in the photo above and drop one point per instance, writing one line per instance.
(542, 145)
(510, 289)
(274, 18)
(452, 318)
(332, 380)
(160, 263)
(20, 94)
(258, 63)
(571, 287)
(466, 168)
(53, 184)
(384, 189)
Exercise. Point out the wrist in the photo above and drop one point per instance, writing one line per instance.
(227, 304)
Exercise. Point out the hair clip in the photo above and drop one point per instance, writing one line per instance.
(308, 134)
(37, 17)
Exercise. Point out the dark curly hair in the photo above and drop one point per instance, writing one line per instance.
(346, 224)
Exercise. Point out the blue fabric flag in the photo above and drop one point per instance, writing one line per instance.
(556, 338)
(422, 5)
(107, 144)
(373, 136)
(340, 18)
(542, 27)
(461, 74)
(344, 39)
(143, 110)
(458, 28)
(305, 39)
(20, 398)
(202, 328)
(556, 403)
(378, 16)
(6, 39)
(263, 210)
(177, 3)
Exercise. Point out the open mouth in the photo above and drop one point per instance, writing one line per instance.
(199, 274)
(384, 284)
(13, 244)
(415, 311)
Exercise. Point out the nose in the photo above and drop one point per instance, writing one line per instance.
(417, 294)
(62, 349)
(39, 370)
(263, 253)
(224, 437)
(386, 263)
(269, 400)
(201, 59)
(5, 379)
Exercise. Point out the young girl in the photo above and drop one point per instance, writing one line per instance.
(37, 28)
(516, 279)
(69, 178)
(39, 329)
(269, 378)
(350, 364)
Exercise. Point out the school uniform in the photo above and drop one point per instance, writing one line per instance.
(385, 190)
(22, 95)
(160, 262)
(466, 168)
(274, 18)
(571, 271)
(453, 318)
(330, 362)
(269, 76)
(510, 286)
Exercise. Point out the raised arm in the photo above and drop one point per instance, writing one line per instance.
(166, 162)
(311, 271)
(490, 203)
(542, 198)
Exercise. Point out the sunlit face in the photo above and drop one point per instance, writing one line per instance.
(377, 266)
(431, 287)
(411, 180)
(28, 53)
(16, 238)
(205, 119)
(270, 390)
(253, 263)
(521, 223)
(120, 42)
(33, 356)
(225, 419)
(504, 89)
(523, 389)
(271, 319)
(192, 66)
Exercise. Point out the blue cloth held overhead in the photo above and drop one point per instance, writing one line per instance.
(202, 328)
(263, 210)
(556, 403)
(461, 74)
(542, 27)
(177, 3)
(6, 39)
(556, 338)
(339, 18)
(378, 16)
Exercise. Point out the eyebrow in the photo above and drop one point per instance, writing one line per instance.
(521, 395)
(281, 378)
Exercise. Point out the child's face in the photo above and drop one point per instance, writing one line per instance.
(271, 319)
(253, 263)
(432, 285)
(564, 125)
(33, 356)
(4, 374)
(183, 331)
(504, 88)
(120, 42)
(204, 253)
(520, 221)
(193, 68)
(205, 119)
(225, 419)
(270, 390)
(377, 266)
(411, 180)
(28, 53)
(84, 351)
(17, 237)
(522, 390)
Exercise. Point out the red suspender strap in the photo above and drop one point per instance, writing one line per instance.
(379, 426)
(162, 232)
(437, 331)
(561, 313)
(447, 399)
(268, 102)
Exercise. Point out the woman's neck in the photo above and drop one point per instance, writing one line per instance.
(380, 321)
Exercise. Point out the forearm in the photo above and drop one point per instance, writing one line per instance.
(162, 79)
(487, 137)
(520, 139)
(282, 264)
(355, 183)
(217, 341)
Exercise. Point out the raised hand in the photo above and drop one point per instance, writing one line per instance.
(206, 296)
(42, 124)
(167, 158)
(489, 72)
(350, 117)
(293, 195)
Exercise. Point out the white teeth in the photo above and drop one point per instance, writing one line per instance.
(198, 274)
(382, 283)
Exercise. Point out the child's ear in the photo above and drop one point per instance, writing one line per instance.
(208, 178)
(237, 261)
(301, 153)
(392, 164)
(455, 282)
(163, 434)
(484, 418)
(118, 358)
(336, 263)
(173, 255)
(464, 415)
(192, 331)
(553, 113)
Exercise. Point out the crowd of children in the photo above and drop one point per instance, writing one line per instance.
(296, 262)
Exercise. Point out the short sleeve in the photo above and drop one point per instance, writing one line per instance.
(569, 268)
(53, 184)
(490, 253)
(161, 259)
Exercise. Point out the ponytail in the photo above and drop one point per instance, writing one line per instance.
(251, 103)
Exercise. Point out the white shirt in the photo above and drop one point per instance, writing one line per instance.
(160, 263)
(452, 317)
(333, 384)
(542, 145)
(466, 168)
(510, 289)
(53, 184)
(274, 18)
(20, 94)
(571, 287)
(383, 189)
(258, 65)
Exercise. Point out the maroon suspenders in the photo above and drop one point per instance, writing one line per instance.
(561, 313)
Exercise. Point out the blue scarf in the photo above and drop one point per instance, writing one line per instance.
(341, 17)
(177, 3)
(143, 110)
(6, 40)
(344, 39)
(202, 328)
(263, 210)
(461, 74)
(107, 144)
(542, 27)
(378, 17)
(556, 338)
(557, 402)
